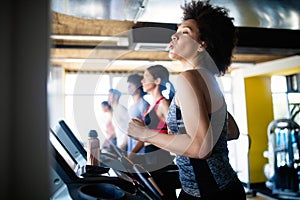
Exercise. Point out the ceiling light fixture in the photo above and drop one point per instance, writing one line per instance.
(121, 41)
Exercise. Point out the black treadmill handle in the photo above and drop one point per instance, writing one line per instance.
(149, 182)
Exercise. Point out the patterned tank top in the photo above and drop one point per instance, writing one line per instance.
(201, 177)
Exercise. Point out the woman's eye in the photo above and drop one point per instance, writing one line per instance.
(185, 32)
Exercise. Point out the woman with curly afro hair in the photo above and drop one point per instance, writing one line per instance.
(197, 116)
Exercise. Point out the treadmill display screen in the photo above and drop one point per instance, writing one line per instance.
(64, 153)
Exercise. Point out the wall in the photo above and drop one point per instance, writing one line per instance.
(253, 110)
(259, 114)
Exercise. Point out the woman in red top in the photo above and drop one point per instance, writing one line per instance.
(155, 80)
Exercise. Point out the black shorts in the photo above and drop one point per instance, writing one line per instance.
(234, 191)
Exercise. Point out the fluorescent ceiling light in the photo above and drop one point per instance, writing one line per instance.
(121, 41)
(80, 60)
(241, 65)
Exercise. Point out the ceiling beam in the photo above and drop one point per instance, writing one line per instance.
(255, 45)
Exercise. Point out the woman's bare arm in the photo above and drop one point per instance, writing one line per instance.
(195, 142)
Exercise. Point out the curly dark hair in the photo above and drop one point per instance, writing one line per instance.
(216, 29)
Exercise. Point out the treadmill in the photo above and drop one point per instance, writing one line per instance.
(167, 177)
(68, 164)
(67, 176)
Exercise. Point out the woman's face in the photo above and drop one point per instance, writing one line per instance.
(132, 89)
(148, 81)
(185, 42)
(104, 108)
(110, 98)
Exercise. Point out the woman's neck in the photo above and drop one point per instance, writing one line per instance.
(136, 98)
(202, 60)
(156, 95)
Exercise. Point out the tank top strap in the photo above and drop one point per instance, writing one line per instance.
(157, 103)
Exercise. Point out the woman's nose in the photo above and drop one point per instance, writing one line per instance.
(174, 36)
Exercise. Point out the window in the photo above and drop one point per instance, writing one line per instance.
(84, 93)
(285, 103)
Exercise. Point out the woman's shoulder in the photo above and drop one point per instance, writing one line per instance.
(165, 101)
(143, 104)
(187, 73)
(190, 79)
(190, 75)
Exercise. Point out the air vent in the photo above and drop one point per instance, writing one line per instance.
(151, 47)
(150, 38)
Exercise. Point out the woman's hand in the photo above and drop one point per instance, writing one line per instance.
(138, 130)
(135, 127)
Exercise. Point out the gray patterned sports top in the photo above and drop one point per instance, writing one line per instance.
(201, 177)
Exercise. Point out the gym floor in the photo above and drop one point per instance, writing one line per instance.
(259, 197)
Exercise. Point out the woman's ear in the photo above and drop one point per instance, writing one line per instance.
(201, 46)
(157, 81)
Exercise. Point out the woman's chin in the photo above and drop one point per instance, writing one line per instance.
(174, 56)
